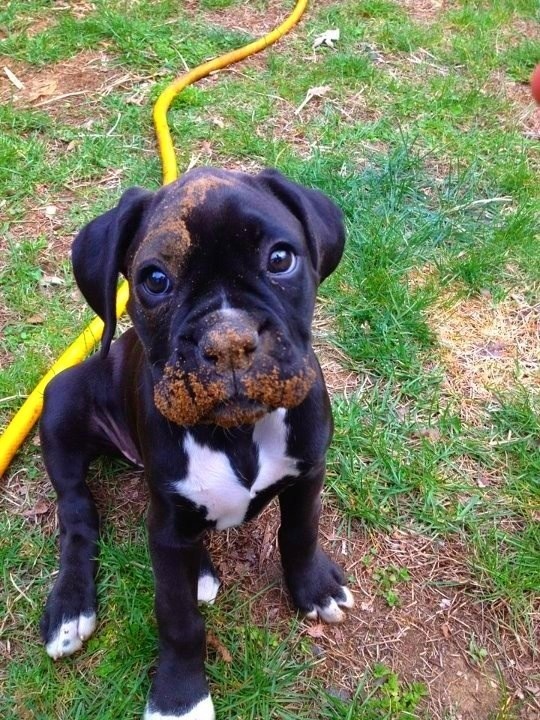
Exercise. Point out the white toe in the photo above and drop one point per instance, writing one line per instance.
(70, 635)
(207, 589)
(331, 613)
(349, 599)
(65, 641)
(203, 710)
(87, 625)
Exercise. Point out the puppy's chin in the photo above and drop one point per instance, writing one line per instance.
(234, 413)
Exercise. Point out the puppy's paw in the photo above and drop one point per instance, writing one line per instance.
(331, 611)
(207, 588)
(69, 637)
(203, 710)
(69, 618)
(208, 585)
(319, 590)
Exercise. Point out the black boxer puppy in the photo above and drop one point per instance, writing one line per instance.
(215, 391)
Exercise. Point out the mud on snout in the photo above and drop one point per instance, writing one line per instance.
(229, 399)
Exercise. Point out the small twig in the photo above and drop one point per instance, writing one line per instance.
(9, 398)
(21, 592)
(13, 78)
(213, 642)
(60, 97)
(110, 132)
(111, 84)
(484, 201)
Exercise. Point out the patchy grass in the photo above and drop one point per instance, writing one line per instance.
(428, 334)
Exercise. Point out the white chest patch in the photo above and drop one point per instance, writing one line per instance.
(211, 481)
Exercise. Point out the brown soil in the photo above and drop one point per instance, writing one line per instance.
(243, 17)
(430, 638)
(427, 11)
(332, 360)
(67, 90)
(486, 348)
(48, 220)
(527, 115)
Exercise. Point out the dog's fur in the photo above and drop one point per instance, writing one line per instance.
(216, 391)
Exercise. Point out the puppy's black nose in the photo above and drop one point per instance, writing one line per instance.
(231, 341)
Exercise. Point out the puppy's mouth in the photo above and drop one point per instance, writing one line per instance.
(191, 398)
(236, 411)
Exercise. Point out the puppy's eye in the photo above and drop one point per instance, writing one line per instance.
(155, 281)
(282, 259)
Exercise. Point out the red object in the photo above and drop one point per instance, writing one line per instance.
(535, 84)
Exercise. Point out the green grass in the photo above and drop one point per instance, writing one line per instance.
(438, 178)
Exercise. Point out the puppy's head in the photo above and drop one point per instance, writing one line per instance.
(223, 269)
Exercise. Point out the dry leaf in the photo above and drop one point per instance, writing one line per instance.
(13, 78)
(445, 629)
(47, 280)
(219, 647)
(318, 91)
(43, 89)
(316, 631)
(35, 319)
(327, 38)
(40, 508)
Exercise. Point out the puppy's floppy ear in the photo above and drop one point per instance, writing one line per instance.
(98, 254)
(321, 219)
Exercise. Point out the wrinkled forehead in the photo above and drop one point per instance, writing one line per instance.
(168, 234)
(206, 204)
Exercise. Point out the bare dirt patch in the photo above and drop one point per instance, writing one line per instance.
(487, 347)
(48, 218)
(78, 8)
(527, 114)
(41, 20)
(524, 113)
(295, 122)
(521, 28)
(426, 11)
(338, 378)
(431, 636)
(204, 153)
(67, 90)
(243, 17)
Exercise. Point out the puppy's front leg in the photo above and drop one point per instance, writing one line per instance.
(68, 446)
(179, 690)
(317, 584)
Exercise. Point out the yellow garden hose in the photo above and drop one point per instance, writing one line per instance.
(27, 416)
